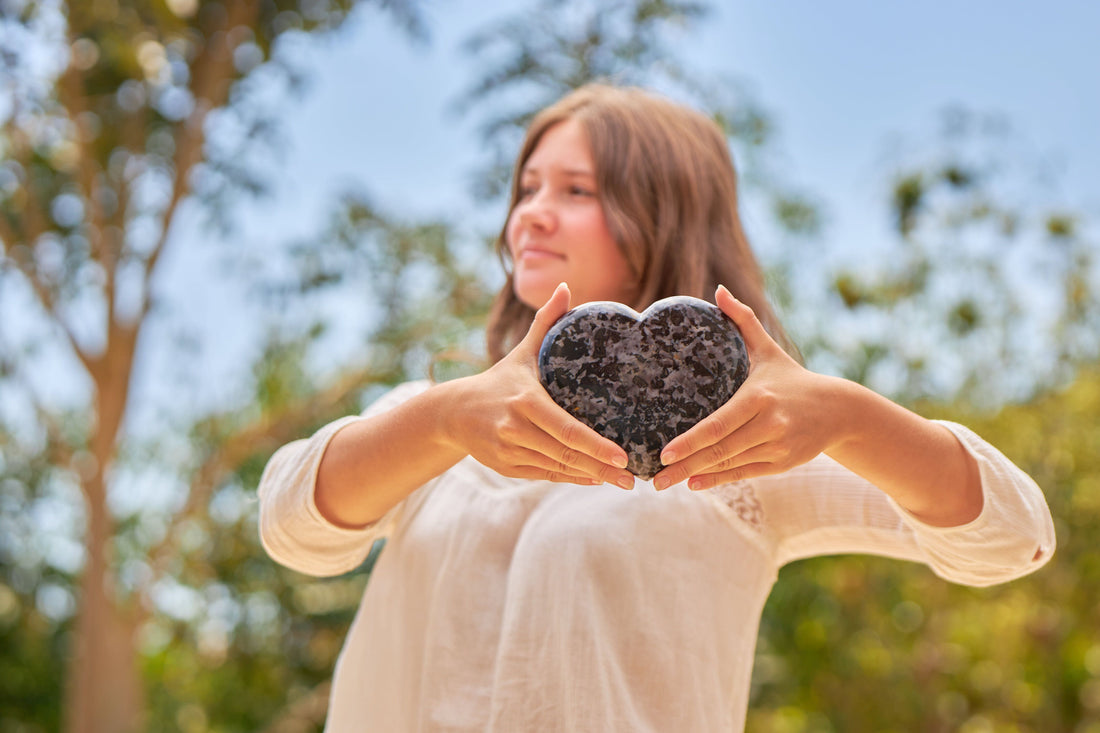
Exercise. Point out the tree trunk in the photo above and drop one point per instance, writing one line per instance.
(103, 683)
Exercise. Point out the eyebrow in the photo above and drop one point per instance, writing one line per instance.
(569, 172)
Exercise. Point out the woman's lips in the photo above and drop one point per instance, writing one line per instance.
(538, 253)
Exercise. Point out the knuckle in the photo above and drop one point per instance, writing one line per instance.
(569, 456)
(514, 402)
(717, 427)
(765, 398)
(507, 433)
(523, 472)
(715, 455)
(508, 470)
(569, 432)
(726, 464)
(520, 403)
(606, 475)
(788, 460)
(726, 476)
(507, 453)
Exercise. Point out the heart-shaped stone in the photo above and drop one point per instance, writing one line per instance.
(641, 380)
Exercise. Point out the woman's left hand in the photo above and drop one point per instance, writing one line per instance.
(782, 416)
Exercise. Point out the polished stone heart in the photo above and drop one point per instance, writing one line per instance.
(641, 380)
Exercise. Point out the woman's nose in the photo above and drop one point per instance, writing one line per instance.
(537, 212)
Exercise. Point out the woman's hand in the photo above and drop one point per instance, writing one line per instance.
(506, 420)
(781, 417)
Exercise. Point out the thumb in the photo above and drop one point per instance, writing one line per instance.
(545, 317)
(752, 330)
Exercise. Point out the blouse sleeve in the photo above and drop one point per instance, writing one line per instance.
(822, 508)
(292, 529)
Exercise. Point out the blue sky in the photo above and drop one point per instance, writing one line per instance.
(840, 78)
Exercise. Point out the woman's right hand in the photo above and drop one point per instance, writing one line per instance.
(506, 420)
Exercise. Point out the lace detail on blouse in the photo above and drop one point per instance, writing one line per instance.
(741, 498)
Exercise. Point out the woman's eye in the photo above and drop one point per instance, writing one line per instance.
(526, 192)
(581, 191)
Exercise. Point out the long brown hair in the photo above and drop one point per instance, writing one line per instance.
(669, 193)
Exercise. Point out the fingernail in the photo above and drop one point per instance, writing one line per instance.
(668, 457)
(695, 484)
(619, 461)
(661, 483)
(625, 483)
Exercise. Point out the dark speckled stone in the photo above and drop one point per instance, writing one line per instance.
(642, 380)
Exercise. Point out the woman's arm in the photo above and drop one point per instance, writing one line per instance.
(502, 417)
(918, 463)
(823, 508)
(784, 415)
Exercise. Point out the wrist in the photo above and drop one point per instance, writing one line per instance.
(447, 401)
(843, 402)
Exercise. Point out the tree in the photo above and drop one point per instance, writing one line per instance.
(109, 117)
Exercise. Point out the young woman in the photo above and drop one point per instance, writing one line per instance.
(521, 588)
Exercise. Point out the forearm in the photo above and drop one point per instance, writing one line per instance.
(371, 465)
(919, 463)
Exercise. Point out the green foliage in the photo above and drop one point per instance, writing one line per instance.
(909, 194)
(798, 214)
(267, 635)
(32, 663)
(865, 644)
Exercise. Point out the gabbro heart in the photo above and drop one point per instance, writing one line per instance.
(641, 380)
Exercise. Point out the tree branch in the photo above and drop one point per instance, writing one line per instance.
(212, 77)
(8, 238)
(70, 91)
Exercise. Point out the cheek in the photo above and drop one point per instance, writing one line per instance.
(610, 251)
(510, 233)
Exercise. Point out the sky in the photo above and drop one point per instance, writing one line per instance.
(842, 80)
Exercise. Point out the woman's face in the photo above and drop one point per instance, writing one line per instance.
(557, 231)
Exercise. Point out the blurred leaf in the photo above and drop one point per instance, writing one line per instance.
(909, 194)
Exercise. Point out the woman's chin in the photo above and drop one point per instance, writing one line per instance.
(534, 294)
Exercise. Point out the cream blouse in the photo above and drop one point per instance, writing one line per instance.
(508, 605)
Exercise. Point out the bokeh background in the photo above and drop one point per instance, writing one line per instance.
(226, 223)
